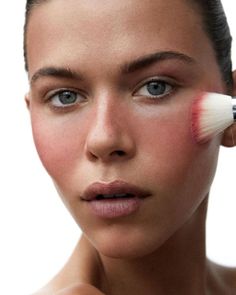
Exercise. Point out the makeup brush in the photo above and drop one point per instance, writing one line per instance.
(212, 113)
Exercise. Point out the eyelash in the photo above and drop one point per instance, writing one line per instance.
(81, 98)
(166, 83)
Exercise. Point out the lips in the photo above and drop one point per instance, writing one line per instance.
(113, 200)
(113, 190)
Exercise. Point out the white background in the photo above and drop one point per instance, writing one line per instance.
(37, 233)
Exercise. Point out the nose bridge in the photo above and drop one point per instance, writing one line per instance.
(108, 137)
(105, 119)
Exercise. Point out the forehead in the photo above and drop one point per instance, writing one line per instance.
(65, 29)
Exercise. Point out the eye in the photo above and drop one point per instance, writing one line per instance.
(154, 89)
(65, 98)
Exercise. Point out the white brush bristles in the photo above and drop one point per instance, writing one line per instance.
(213, 114)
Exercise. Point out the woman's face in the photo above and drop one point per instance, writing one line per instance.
(112, 83)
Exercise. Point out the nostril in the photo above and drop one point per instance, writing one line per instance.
(120, 153)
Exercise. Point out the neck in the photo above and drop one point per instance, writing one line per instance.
(178, 265)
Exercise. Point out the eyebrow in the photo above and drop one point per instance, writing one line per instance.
(149, 59)
(57, 72)
(127, 68)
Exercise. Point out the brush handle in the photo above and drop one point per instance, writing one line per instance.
(234, 107)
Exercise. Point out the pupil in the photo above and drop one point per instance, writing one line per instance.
(67, 97)
(156, 88)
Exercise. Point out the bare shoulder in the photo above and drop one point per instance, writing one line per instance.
(228, 274)
(224, 277)
(76, 289)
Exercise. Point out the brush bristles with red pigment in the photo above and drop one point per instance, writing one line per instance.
(212, 113)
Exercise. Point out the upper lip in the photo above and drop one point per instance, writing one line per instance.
(112, 188)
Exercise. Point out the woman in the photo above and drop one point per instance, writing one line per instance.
(111, 88)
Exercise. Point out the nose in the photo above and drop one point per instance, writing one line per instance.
(109, 137)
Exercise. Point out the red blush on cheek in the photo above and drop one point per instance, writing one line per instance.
(53, 151)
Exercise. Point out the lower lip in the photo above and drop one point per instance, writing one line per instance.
(112, 208)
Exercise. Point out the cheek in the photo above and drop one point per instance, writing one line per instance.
(171, 154)
(58, 144)
(166, 134)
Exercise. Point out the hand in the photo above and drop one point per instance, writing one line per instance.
(80, 289)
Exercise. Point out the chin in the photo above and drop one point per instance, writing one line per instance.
(129, 246)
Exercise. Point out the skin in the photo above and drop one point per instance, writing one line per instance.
(117, 130)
